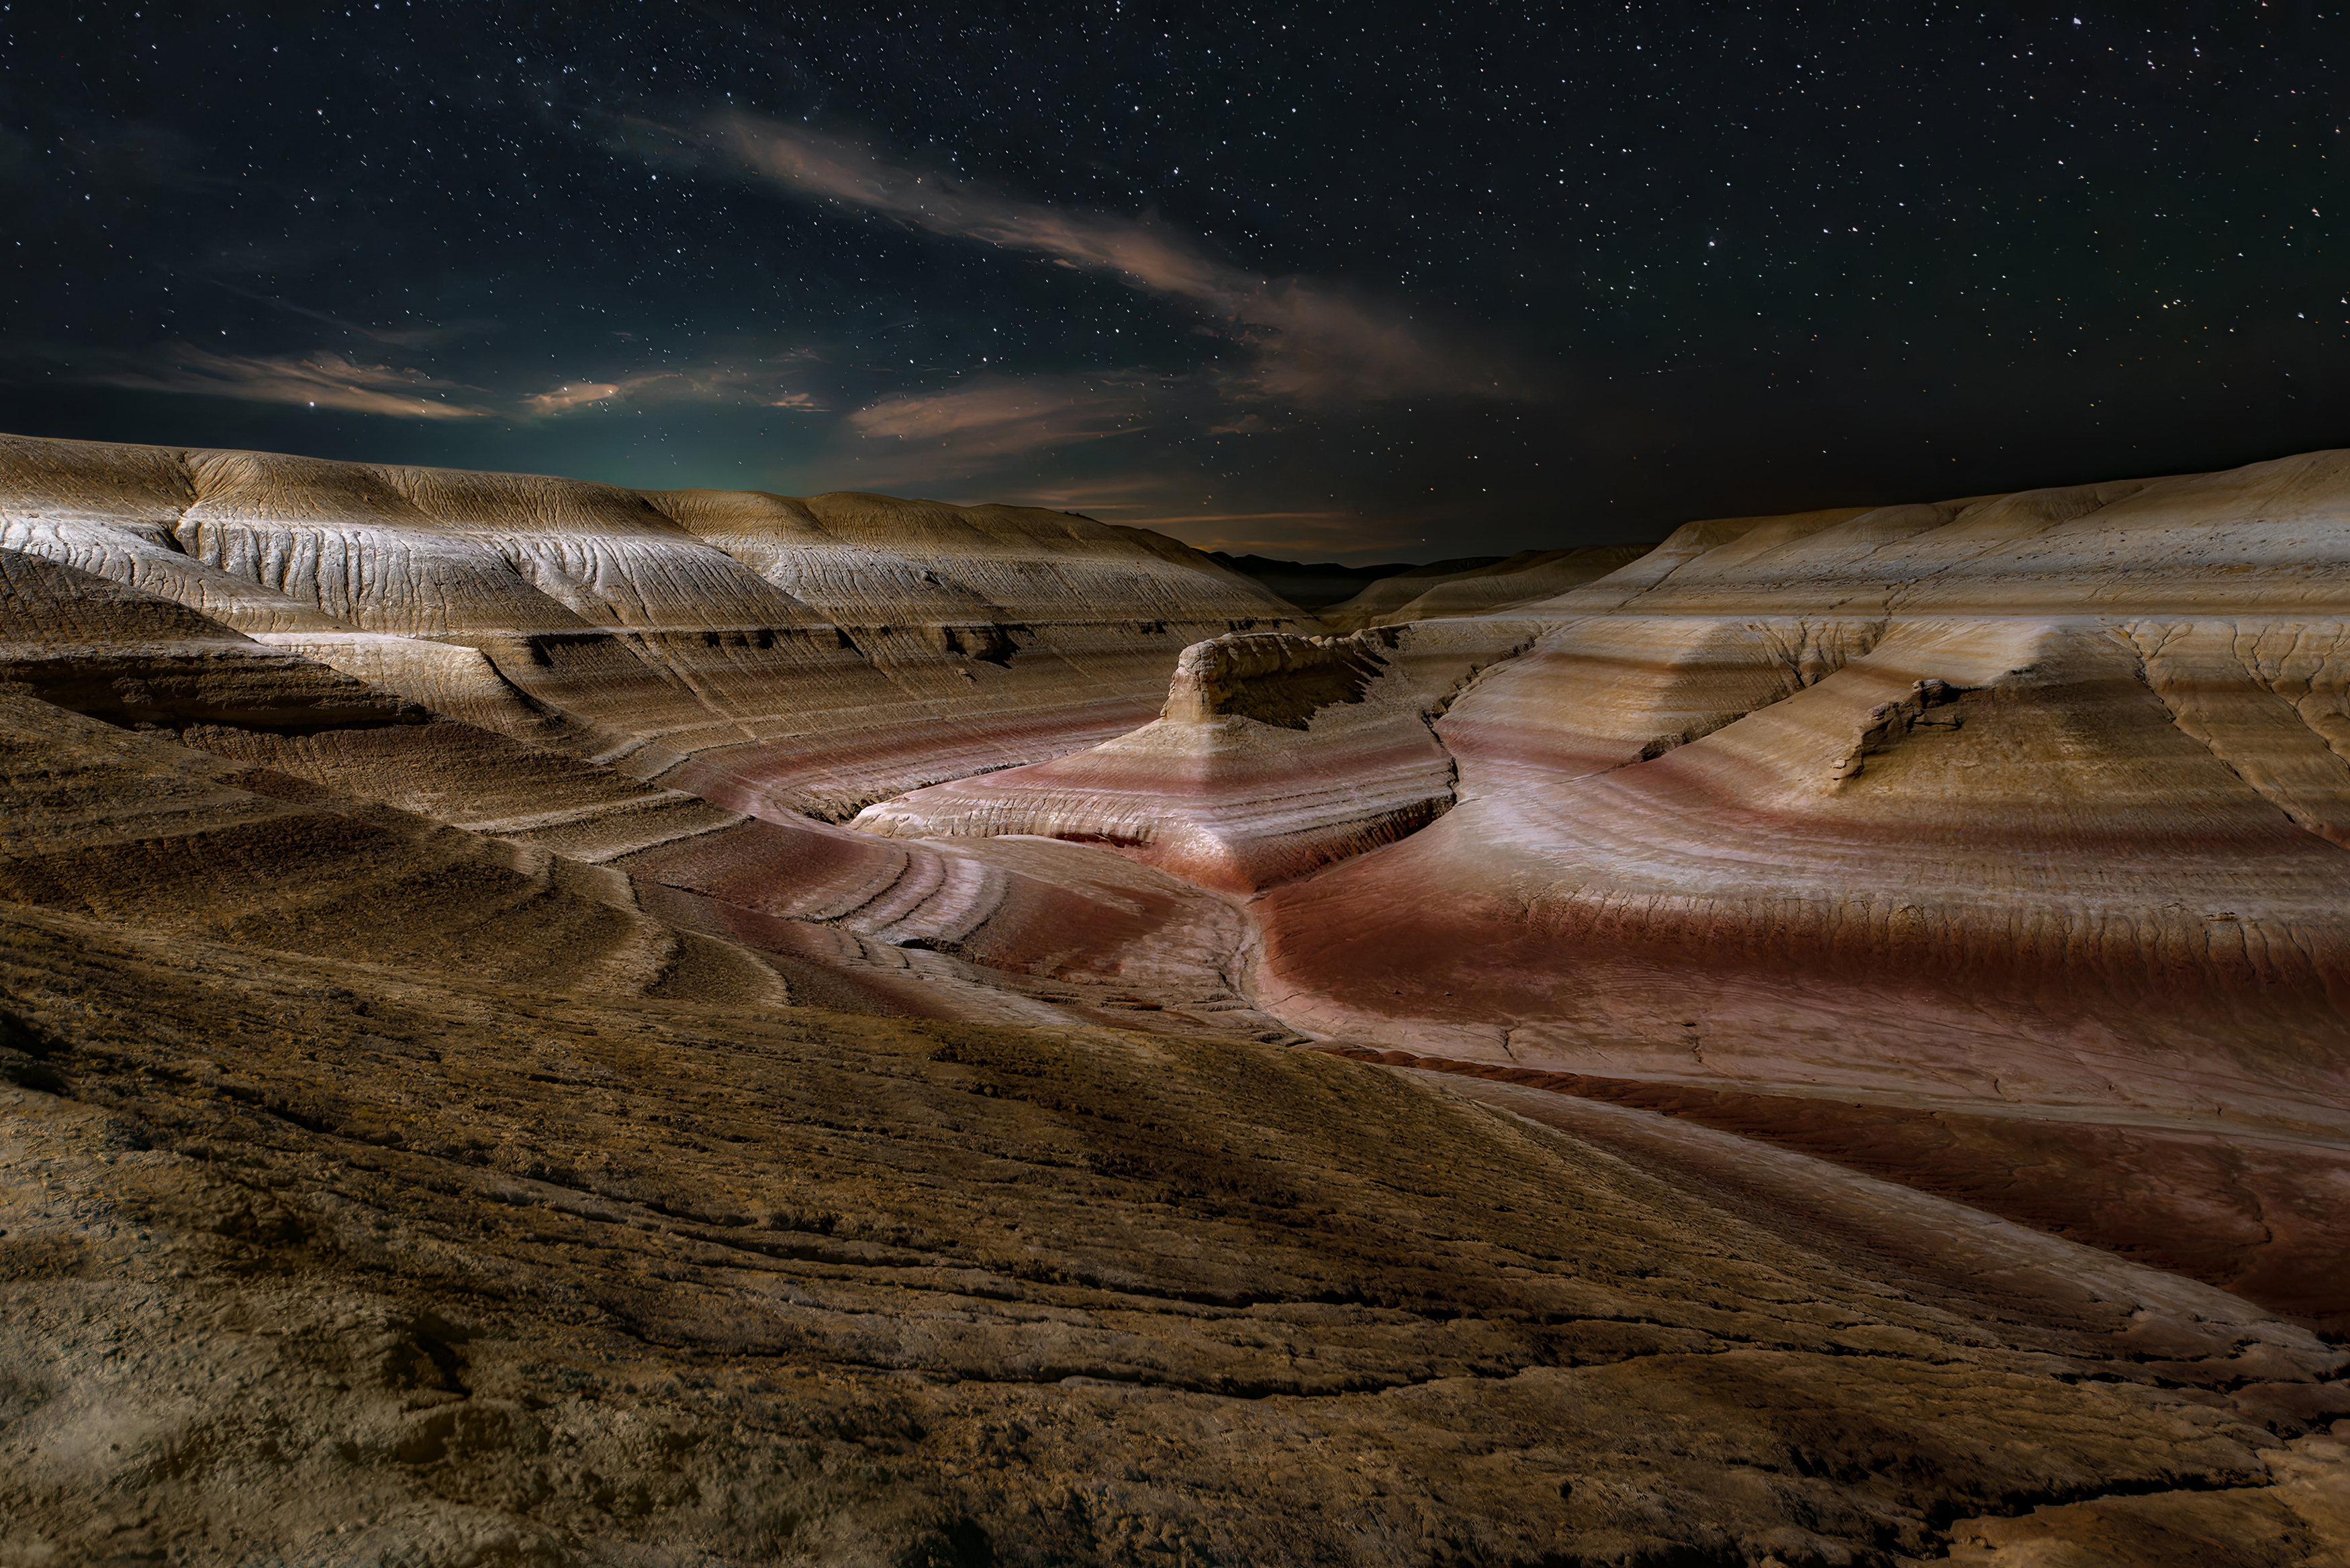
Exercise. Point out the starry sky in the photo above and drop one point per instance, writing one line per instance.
(1357, 283)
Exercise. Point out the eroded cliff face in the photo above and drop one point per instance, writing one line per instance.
(550, 1024)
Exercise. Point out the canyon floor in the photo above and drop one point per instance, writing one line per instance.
(543, 1024)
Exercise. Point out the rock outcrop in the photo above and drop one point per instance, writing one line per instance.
(1275, 755)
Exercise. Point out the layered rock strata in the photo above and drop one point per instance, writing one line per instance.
(453, 1118)
(313, 1259)
(2027, 807)
(1274, 756)
(239, 783)
(811, 655)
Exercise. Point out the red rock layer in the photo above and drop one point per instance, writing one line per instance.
(2035, 882)
(258, 795)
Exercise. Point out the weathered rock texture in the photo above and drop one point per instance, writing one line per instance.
(811, 655)
(1275, 755)
(2012, 827)
(1840, 992)
(224, 828)
(327, 1259)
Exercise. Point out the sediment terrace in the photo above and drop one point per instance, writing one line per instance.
(552, 1020)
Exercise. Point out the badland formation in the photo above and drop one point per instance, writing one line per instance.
(551, 1023)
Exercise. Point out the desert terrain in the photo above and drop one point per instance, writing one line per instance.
(548, 1023)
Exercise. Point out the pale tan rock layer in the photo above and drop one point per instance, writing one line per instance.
(813, 654)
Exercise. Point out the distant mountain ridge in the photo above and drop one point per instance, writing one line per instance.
(1314, 585)
(1448, 588)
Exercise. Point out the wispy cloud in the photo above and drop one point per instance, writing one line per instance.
(761, 383)
(322, 379)
(422, 336)
(998, 419)
(1312, 341)
(325, 380)
(571, 396)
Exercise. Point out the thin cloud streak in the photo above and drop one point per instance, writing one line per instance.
(713, 383)
(321, 379)
(391, 336)
(570, 397)
(995, 420)
(1312, 342)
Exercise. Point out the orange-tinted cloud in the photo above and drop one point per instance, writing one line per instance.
(570, 396)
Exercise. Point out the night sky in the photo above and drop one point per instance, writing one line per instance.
(1386, 282)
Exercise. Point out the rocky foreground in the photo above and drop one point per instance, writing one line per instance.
(546, 1023)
